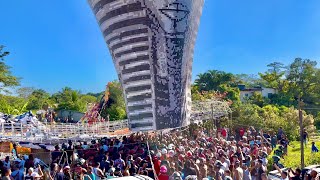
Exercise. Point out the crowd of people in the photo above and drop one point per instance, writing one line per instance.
(192, 153)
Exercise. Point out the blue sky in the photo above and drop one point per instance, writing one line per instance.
(57, 43)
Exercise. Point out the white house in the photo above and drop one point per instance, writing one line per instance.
(248, 92)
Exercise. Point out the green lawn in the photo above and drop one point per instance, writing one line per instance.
(293, 158)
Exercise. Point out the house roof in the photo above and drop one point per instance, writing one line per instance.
(252, 89)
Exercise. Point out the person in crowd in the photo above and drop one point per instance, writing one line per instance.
(314, 148)
(56, 172)
(69, 150)
(6, 174)
(219, 171)
(280, 133)
(97, 171)
(46, 174)
(84, 175)
(67, 173)
(246, 172)
(264, 176)
(163, 173)
(6, 162)
(188, 170)
(314, 175)
(14, 151)
(176, 176)
(56, 154)
(91, 173)
(284, 174)
(29, 175)
(18, 170)
(29, 162)
(274, 141)
(193, 154)
(296, 173)
(238, 171)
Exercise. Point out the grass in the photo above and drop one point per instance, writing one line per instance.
(293, 158)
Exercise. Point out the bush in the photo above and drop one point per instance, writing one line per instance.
(271, 118)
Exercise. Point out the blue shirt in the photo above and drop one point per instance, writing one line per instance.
(93, 176)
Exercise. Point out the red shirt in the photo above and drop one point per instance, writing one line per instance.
(241, 132)
(163, 177)
(156, 164)
(224, 132)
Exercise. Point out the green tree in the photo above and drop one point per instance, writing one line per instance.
(87, 99)
(250, 80)
(212, 79)
(232, 93)
(274, 76)
(115, 107)
(12, 105)
(6, 77)
(25, 92)
(257, 99)
(39, 99)
(69, 99)
(246, 115)
(303, 77)
(317, 121)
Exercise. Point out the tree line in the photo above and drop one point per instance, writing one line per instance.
(32, 99)
(294, 81)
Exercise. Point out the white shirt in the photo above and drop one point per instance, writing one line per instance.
(265, 161)
(225, 166)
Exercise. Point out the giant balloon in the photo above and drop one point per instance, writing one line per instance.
(152, 44)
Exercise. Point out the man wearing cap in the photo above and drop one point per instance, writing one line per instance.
(67, 173)
(30, 174)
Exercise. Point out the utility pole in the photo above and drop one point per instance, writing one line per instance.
(213, 119)
(301, 132)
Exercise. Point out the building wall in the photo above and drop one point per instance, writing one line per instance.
(152, 43)
(266, 92)
(76, 116)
